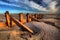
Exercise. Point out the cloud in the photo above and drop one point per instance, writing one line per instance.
(47, 1)
(9, 4)
(31, 4)
(22, 7)
(52, 7)
(34, 5)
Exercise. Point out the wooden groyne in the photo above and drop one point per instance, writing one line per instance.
(23, 19)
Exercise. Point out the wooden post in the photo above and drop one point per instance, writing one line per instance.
(21, 17)
(7, 18)
(28, 17)
(9, 21)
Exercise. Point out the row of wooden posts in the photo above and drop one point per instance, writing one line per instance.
(11, 21)
(21, 18)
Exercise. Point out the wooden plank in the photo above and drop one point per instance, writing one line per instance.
(18, 23)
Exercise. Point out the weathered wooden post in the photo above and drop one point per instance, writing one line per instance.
(28, 17)
(9, 21)
(7, 18)
(21, 17)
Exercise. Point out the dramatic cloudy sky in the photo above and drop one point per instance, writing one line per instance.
(16, 6)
